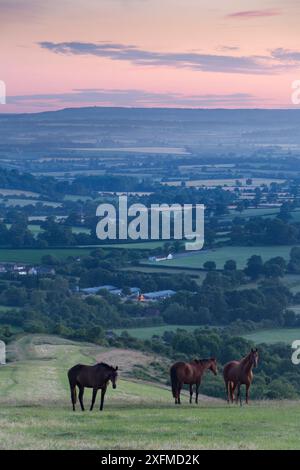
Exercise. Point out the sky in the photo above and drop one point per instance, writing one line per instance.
(148, 53)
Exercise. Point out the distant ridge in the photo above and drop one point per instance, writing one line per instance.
(184, 114)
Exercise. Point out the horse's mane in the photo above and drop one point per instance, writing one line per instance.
(201, 361)
(104, 365)
(245, 358)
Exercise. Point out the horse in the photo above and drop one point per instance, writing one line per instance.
(95, 377)
(190, 373)
(237, 373)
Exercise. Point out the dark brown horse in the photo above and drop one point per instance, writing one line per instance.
(190, 373)
(95, 377)
(237, 373)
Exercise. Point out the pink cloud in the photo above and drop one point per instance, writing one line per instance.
(249, 14)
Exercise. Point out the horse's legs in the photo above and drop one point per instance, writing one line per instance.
(247, 393)
(178, 393)
(191, 393)
(197, 391)
(80, 396)
(232, 390)
(228, 391)
(102, 398)
(238, 395)
(95, 390)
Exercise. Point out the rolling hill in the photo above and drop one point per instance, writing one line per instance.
(35, 411)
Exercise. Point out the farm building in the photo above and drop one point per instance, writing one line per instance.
(111, 289)
(161, 258)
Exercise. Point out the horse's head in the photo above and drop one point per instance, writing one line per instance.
(213, 365)
(113, 376)
(254, 357)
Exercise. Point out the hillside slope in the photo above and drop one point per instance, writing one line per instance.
(35, 410)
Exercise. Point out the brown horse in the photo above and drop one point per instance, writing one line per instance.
(237, 373)
(95, 377)
(190, 373)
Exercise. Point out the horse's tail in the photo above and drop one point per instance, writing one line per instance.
(74, 395)
(72, 381)
(228, 390)
(174, 381)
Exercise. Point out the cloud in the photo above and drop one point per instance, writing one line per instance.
(192, 60)
(249, 14)
(286, 55)
(228, 48)
(131, 97)
(12, 8)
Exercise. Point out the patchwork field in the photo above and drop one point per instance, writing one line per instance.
(35, 411)
(219, 255)
(148, 332)
(272, 336)
(35, 255)
(256, 182)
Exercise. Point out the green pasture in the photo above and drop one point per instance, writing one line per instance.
(35, 411)
(240, 254)
(274, 335)
(35, 255)
(148, 332)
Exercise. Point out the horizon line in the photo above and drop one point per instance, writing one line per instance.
(73, 108)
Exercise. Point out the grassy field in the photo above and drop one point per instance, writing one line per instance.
(280, 335)
(35, 411)
(34, 256)
(148, 332)
(17, 192)
(5, 308)
(256, 182)
(28, 202)
(239, 253)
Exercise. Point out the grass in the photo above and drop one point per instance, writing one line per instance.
(5, 308)
(35, 255)
(274, 335)
(35, 411)
(239, 253)
(226, 182)
(36, 229)
(17, 192)
(28, 202)
(148, 332)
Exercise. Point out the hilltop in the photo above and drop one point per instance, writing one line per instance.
(36, 413)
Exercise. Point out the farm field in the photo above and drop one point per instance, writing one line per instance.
(239, 253)
(36, 229)
(272, 336)
(225, 182)
(35, 410)
(5, 308)
(260, 212)
(35, 255)
(17, 192)
(148, 332)
(27, 202)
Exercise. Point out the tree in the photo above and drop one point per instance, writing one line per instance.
(210, 265)
(254, 267)
(230, 265)
(275, 267)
